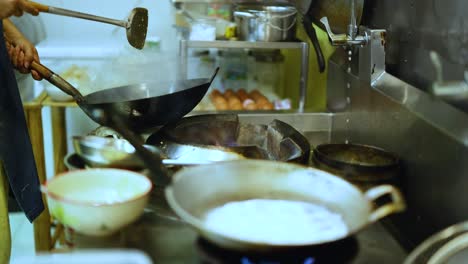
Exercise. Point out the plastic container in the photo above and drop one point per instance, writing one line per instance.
(203, 29)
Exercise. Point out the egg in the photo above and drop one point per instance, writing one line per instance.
(261, 101)
(267, 106)
(220, 103)
(242, 95)
(234, 103)
(255, 94)
(249, 104)
(215, 93)
(229, 93)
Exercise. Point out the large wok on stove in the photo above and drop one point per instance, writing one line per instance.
(196, 190)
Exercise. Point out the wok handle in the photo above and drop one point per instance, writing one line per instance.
(39, 6)
(151, 160)
(58, 81)
(310, 30)
(397, 203)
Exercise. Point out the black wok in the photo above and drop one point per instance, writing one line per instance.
(139, 106)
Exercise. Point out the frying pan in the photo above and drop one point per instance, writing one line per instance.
(136, 24)
(140, 106)
(194, 191)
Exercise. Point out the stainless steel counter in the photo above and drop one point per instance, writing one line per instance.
(172, 241)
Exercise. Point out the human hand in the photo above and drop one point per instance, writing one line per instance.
(22, 54)
(16, 8)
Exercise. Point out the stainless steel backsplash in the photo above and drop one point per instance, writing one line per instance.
(430, 136)
(416, 27)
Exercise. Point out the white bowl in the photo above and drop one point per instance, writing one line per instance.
(97, 202)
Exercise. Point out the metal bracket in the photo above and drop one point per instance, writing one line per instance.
(372, 55)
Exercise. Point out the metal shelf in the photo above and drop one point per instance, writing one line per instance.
(279, 2)
(202, 1)
(224, 44)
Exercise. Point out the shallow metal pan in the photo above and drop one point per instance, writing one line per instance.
(196, 190)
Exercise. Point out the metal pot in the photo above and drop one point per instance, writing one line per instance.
(196, 190)
(365, 166)
(265, 23)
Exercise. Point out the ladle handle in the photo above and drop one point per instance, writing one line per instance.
(214, 74)
(310, 30)
(39, 6)
(70, 13)
(56, 80)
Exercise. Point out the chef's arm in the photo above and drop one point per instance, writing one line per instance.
(10, 31)
(22, 52)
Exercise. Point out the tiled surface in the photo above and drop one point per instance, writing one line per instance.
(22, 235)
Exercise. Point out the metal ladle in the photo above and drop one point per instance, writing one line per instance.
(136, 24)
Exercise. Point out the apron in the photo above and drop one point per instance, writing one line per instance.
(16, 152)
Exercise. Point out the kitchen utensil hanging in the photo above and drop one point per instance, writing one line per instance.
(136, 24)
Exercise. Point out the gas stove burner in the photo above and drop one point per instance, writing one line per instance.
(342, 251)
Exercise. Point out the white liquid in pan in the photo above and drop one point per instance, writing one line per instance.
(276, 222)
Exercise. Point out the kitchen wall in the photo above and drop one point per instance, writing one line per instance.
(415, 27)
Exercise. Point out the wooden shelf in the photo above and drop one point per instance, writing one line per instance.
(37, 102)
(50, 102)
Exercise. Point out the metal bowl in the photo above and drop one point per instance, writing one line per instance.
(363, 165)
(102, 152)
